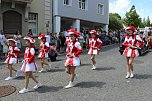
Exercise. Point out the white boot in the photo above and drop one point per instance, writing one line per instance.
(69, 85)
(24, 90)
(38, 85)
(9, 78)
(94, 67)
(42, 70)
(131, 74)
(49, 67)
(128, 75)
(77, 76)
(18, 73)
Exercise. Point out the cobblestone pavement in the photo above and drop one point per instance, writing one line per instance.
(107, 83)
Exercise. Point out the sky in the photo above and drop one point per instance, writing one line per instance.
(143, 7)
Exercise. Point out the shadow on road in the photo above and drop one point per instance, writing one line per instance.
(56, 70)
(108, 48)
(105, 68)
(144, 76)
(138, 62)
(146, 53)
(90, 84)
(23, 77)
(20, 78)
(86, 64)
(58, 60)
(45, 89)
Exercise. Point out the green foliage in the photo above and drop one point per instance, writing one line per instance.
(115, 22)
(148, 22)
(132, 18)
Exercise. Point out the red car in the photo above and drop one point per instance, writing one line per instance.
(150, 43)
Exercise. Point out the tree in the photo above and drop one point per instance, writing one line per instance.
(132, 18)
(143, 23)
(117, 15)
(114, 22)
(147, 22)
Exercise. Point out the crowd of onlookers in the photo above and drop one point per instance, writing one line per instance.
(58, 39)
(107, 38)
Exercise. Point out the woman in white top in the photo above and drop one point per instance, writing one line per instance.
(18, 37)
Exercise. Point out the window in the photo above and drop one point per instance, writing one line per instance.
(100, 9)
(33, 22)
(32, 16)
(82, 4)
(67, 2)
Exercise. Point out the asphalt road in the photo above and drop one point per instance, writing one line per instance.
(107, 83)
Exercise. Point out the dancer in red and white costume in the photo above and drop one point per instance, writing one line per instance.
(13, 53)
(44, 50)
(132, 43)
(68, 39)
(72, 58)
(29, 64)
(94, 45)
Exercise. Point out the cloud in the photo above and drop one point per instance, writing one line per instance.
(119, 6)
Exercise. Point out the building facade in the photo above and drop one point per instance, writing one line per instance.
(24, 15)
(52, 15)
(80, 14)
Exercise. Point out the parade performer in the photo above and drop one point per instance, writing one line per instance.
(72, 57)
(13, 53)
(132, 42)
(94, 45)
(44, 50)
(29, 64)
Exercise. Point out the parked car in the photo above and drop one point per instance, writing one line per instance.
(150, 42)
(148, 29)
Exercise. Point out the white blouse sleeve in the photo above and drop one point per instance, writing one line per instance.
(99, 40)
(47, 44)
(77, 44)
(32, 50)
(17, 49)
(138, 38)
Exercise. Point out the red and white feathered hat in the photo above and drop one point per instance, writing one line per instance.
(31, 40)
(12, 40)
(42, 36)
(72, 32)
(78, 33)
(94, 32)
(131, 28)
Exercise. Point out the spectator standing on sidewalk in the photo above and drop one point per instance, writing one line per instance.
(1, 42)
(5, 45)
(18, 37)
(48, 38)
(62, 40)
(30, 34)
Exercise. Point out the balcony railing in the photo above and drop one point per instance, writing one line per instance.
(26, 1)
(23, 1)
